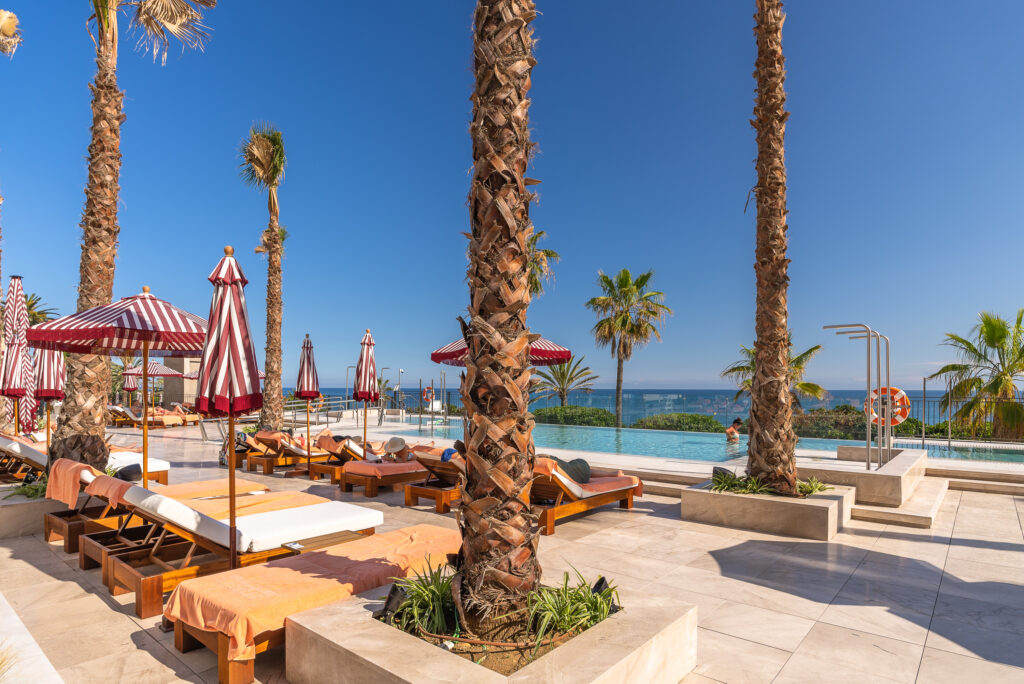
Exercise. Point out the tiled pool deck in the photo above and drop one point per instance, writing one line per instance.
(877, 603)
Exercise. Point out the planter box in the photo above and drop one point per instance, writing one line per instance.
(342, 643)
(815, 517)
(891, 485)
(20, 517)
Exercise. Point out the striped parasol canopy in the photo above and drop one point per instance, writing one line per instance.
(308, 384)
(50, 375)
(17, 376)
(228, 380)
(139, 323)
(366, 387)
(131, 383)
(194, 375)
(153, 370)
(543, 352)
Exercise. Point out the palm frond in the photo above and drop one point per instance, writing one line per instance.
(156, 21)
(263, 157)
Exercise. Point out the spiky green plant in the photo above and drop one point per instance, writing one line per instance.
(428, 605)
(568, 609)
(812, 485)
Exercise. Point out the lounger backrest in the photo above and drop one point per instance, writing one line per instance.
(23, 452)
(445, 471)
(164, 509)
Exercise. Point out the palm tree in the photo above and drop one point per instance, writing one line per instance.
(771, 451)
(80, 428)
(562, 378)
(263, 163)
(10, 34)
(743, 372)
(985, 379)
(628, 317)
(499, 553)
(540, 261)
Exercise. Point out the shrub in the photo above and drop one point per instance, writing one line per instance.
(429, 605)
(575, 415)
(688, 422)
(569, 609)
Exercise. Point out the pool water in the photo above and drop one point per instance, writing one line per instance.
(694, 446)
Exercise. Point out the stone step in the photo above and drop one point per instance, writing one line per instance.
(672, 489)
(918, 511)
(988, 486)
(966, 472)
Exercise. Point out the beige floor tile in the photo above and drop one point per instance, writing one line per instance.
(728, 659)
(967, 639)
(941, 667)
(983, 552)
(984, 581)
(835, 654)
(982, 614)
(767, 627)
(694, 678)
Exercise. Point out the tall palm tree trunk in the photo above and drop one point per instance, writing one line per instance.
(80, 428)
(499, 531)
(771, 451)
(272, 414)
(3, 400)
(618, 390)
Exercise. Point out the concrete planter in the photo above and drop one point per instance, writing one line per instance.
(815, 517)
(342, 643)
(20, 517)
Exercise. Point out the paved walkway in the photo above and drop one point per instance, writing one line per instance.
(878, 603)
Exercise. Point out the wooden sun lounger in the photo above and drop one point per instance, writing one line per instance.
(128, 416)
(18, 459)
(280, 453)
(226, 611)
(569, 497)
(372, 482)
(441, 485)
(344, 451)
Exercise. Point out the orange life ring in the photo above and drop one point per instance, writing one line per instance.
(898, 401)
(428, 394)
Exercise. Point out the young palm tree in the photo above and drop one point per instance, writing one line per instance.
(743, 372)
(80, 428)
(985, 379)
(628, 317)
(263, 163)
(540, 263)
(771, 451)
(499, 547)
(560, 379)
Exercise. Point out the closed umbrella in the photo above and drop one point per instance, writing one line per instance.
(17, 379)
(307, 387)
(153, 370)
(228, 381)
(366, 387)
(50, 376)
(543, 352)
(131, 324)
(130, 384)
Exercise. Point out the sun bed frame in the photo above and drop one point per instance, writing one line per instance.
(441, 485)
(566, 503)
(188, 638)
(15, 464)
(162, 421)
(286, 455)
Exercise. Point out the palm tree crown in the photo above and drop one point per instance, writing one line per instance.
(989, 367)
(742, 372)
(560, 379)
(10, 34)
(540, 263)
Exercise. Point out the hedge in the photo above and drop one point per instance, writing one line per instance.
(575, 415)
(688, 422)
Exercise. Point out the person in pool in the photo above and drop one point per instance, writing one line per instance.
(732, 433)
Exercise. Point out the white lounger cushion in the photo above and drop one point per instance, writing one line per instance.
(580, 492)
(357, 449)
(24, 452)
(119, 459)
(263, 531)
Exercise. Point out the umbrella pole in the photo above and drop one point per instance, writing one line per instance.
(309, 448)
(48, 432)
(364, 426)
(17, 416)
(233, 545)
(145, 415)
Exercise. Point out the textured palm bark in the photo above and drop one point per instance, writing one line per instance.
(771, 450)
(4, 425)
(80, 428)
(499, 530)
(272, 414)
(618, 389)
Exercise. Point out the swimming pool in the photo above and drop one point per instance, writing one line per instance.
(695, 446)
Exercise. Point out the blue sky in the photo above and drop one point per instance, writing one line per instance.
(903, 151)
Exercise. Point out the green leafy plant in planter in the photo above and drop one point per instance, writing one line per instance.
(812, 486)
(726, 481)
(32, 490)
(428, 604)
(569, 609)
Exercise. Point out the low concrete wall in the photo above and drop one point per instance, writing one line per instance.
(342, 643)
(815, 517)
(20, 517)
(890, 485)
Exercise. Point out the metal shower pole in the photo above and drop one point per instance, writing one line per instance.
(847, 329)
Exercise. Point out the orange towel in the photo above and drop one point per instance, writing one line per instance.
(378, 469)
(64, 482)
(250, 505)
(208, 488)
(109, 488)
(600, 480)
(246, 602)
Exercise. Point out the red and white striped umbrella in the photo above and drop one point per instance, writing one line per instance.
(17, 376)
(153, 370)
(124, 326)
(542, 353)
(131, 383)
(228, 381)
(308, 384)
(194, 375)
(366, 387)
(50, 375)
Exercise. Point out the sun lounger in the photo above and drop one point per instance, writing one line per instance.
(282, 451)
(269, 526)
(442, 483)
(162, 421)
(19, 458)
(560, 496)
(345, 451)
(241, 613)
(372, 475)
